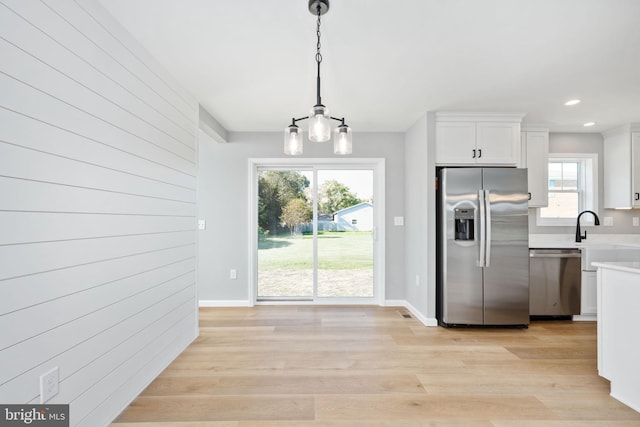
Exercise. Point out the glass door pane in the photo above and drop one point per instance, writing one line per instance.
(285, 234)
(345, 233)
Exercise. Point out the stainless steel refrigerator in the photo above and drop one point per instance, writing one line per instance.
(482, 243)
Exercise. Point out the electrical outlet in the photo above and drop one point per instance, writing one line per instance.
(608, 221)
(49, 384)
(233, 273)
(636, 221)
(398, 221)
(202, 224)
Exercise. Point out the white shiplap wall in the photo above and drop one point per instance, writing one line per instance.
(97, 209)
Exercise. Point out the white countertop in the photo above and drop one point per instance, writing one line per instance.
(629, 266)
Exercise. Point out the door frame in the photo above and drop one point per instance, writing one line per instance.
(373, 163)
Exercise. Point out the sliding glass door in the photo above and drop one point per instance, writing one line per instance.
(285, 234)
(315, 229)
(345, 228)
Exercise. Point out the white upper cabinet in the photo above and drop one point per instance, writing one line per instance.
(456, 143)
(498, 143)
(477, 139)
(622, 167)
(635, 164)
(535, 150)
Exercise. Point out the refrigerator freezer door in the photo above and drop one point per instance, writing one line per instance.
(506, 279)
(461, 269)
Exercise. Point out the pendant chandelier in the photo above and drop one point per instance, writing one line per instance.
(319, 118)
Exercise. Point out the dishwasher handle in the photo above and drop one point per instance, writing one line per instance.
(554, 254)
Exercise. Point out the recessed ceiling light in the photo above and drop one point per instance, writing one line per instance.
(589, 124)
(572, 102)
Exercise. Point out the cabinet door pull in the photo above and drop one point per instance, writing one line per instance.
(474, 154)
(479, 152)
(529, 196)
(637, 196)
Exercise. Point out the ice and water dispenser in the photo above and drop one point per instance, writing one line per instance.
(463, 219)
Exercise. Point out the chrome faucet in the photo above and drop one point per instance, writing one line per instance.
(579, 235)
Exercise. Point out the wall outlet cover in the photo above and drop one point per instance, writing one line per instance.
(49, 384)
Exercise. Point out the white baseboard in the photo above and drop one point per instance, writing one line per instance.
(426, 321)
(585, 318)
(223, 303)
(395, 303)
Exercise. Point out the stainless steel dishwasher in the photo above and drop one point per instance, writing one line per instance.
(554, 282)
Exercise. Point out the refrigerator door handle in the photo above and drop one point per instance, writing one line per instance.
(487, 227)
(483, 236)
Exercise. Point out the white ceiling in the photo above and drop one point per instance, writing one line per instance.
(250, 63)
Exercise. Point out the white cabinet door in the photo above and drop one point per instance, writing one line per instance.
(621, 167)
(498, 143)
(477, 143)
(635, 164)
(537, 154)
(589, 297)
(455, 143)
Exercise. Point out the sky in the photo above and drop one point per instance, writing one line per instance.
(359, 182)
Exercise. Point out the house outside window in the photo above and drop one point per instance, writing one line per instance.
(573, 188)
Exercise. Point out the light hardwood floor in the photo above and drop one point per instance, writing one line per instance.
(371, 366)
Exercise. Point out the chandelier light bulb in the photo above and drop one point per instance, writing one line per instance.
(292, 141)
(342, 142)
(320, 124)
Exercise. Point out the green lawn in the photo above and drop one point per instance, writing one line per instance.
(345, 265)
(346, 250)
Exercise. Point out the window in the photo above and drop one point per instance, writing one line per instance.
(573, 187)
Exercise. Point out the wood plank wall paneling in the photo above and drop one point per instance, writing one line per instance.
(97, 209)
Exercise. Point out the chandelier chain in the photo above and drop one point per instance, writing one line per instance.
(318, 54)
